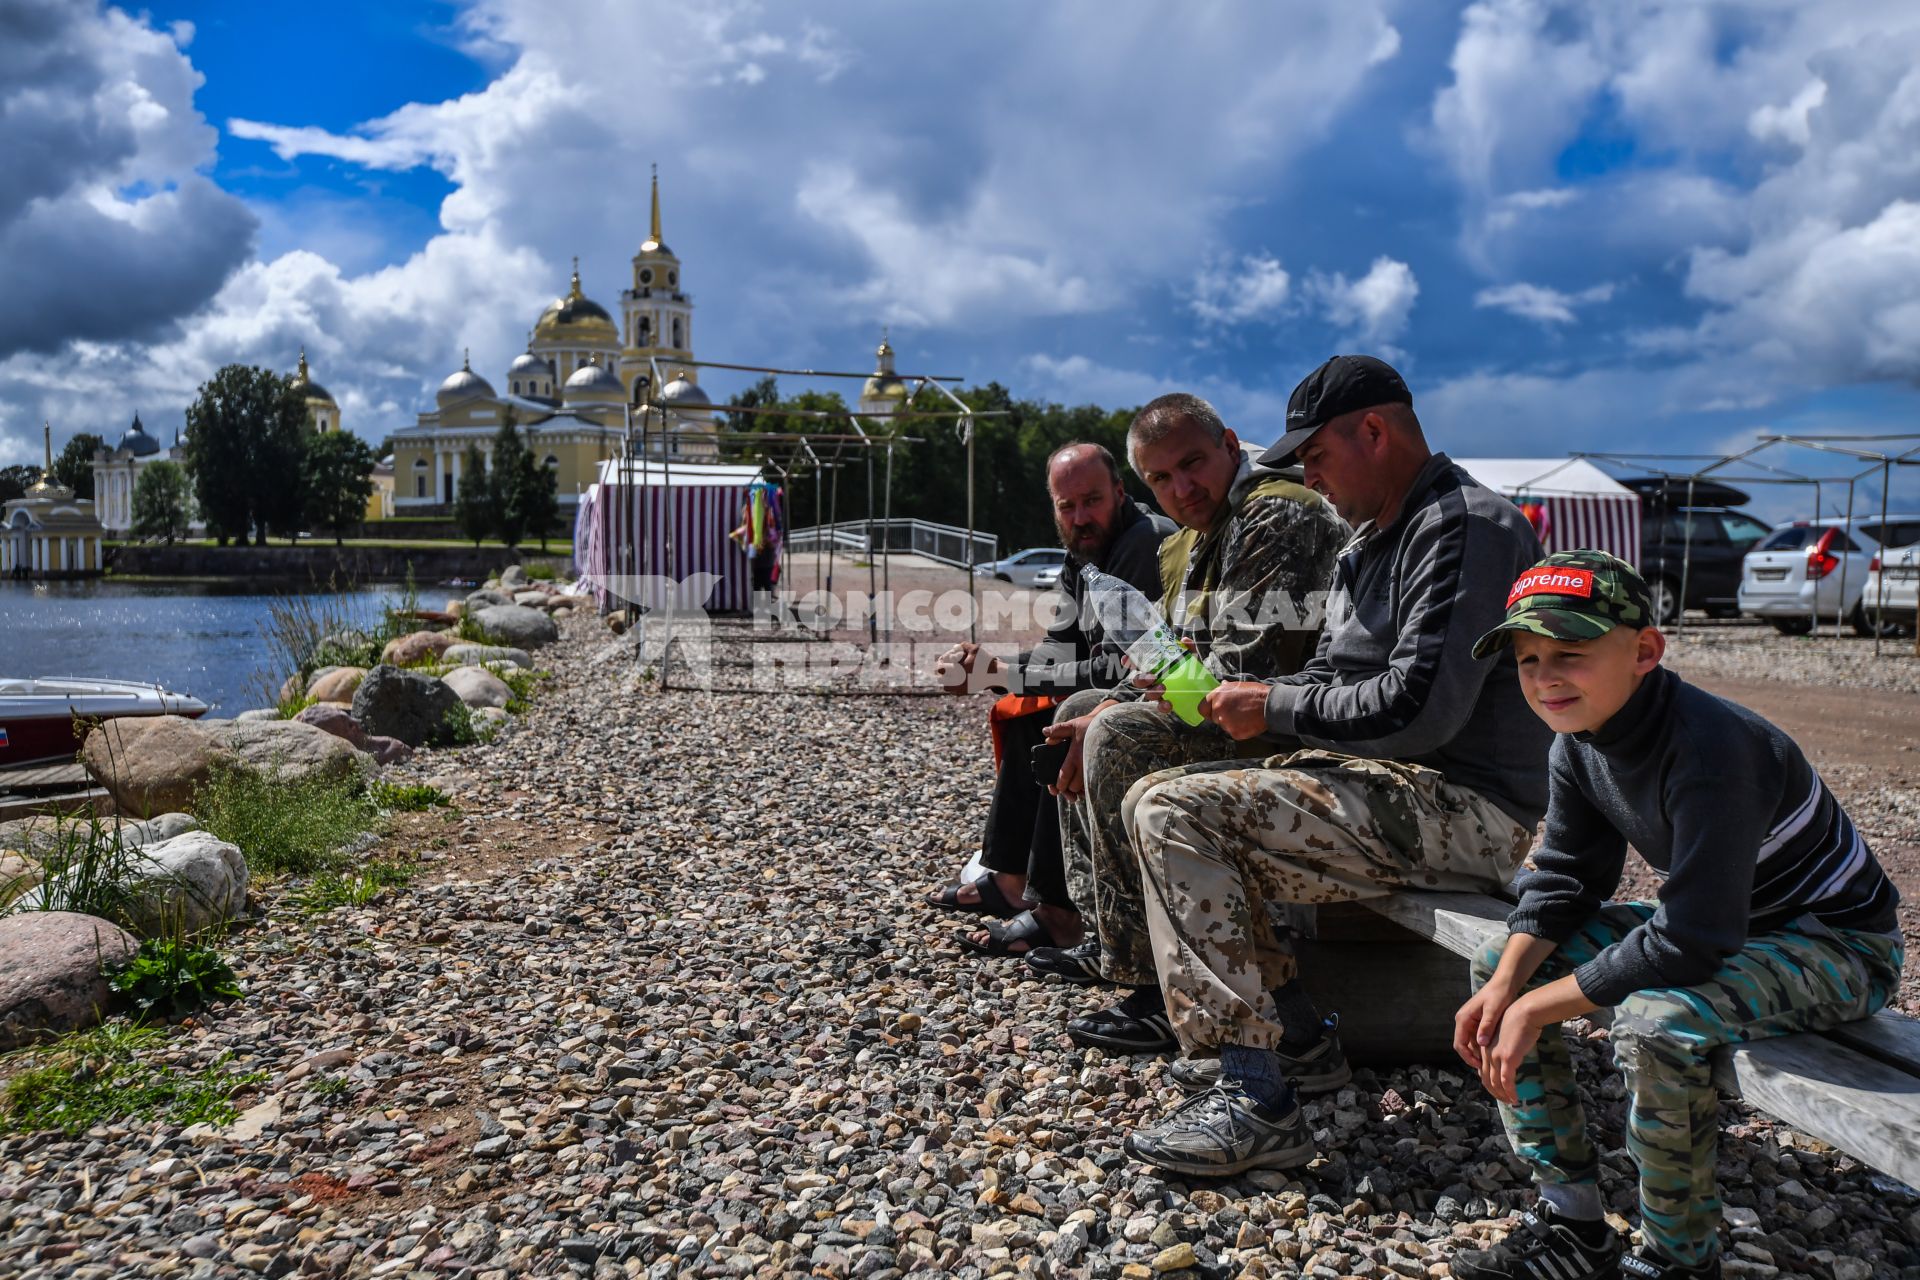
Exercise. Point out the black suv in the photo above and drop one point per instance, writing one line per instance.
(1696, 537)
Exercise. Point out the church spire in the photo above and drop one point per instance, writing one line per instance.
(656, 206)
(303, 364)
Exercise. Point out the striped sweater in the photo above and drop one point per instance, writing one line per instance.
(1723, 805)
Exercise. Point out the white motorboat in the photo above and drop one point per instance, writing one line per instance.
(48, 718)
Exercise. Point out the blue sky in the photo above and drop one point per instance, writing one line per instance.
(1651, 225)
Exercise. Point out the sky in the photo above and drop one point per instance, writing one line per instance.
(1651, 225)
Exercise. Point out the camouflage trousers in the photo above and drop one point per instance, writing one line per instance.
(1125, 743)
(1804, 977)
(1220, 844)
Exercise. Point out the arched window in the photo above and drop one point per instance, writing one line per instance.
(676, 333)
(646, 333)
(552, 461)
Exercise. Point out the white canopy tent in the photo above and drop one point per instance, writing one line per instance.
(1574, 504)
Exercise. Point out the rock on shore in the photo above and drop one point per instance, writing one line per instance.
(51, 979)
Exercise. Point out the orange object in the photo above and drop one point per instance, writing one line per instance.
(1012, 707)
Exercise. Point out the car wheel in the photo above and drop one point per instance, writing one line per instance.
(1666, 601)
(1003, 577)
(1862, 623)
(1792, 626)
(1722, 611)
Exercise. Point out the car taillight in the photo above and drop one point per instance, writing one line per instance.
(1873, 565)
(1820, 558)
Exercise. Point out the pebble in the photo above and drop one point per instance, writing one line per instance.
(663, 1001)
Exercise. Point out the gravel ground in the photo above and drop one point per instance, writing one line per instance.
(665, 1003)
(1744, 650)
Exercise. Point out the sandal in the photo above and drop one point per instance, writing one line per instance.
(992, 901)
(1001, 938)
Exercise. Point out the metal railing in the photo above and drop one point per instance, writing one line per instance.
(945, 543)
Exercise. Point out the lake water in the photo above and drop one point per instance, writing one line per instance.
(206, 639)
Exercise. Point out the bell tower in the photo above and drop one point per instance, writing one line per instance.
(656, 313)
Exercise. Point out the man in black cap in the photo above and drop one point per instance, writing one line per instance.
(1419, 768)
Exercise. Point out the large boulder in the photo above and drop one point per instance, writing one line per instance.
(152, 764)
(478, 687)
(517, 625)
(407, 705)
(294, 750)
(417, 647)
(50, 977)
(335, 720)
(336, 684)
(191, 882)
(513, 576)
(482, 655)
(486, 596)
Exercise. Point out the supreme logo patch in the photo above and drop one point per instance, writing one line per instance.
(1557, 582)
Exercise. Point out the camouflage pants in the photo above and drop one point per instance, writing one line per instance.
(1123, 744)
(1805, 977)
(1221, 843)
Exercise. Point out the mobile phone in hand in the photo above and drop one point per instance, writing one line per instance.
(1047, 759)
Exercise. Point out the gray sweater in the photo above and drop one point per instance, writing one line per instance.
(1395, 677)
(1725, 807)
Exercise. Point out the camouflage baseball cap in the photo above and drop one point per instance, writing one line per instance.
(1572, 595)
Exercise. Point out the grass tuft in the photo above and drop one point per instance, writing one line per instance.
(406, 797)
(284, 825)
(330, 889)
(104, 1075)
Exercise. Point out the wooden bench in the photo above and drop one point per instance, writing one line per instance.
(1856, 1087)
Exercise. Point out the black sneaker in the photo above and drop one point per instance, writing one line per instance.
(1542, 1247)
(1079, 963)
(1137, 1024)
(1223, 1132)
(1320, 1068)
(1645, 1264)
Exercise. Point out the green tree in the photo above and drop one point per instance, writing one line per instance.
(536, 492)
(243, 447)
(506, 476)
(337, 469)
(16, 480)
(162, 502)
(74, 466)
(473, 497)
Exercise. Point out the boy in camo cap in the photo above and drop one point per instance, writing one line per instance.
(1773, 917)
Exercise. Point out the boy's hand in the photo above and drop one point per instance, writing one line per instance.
(1519, 1031)
(1477, 1023)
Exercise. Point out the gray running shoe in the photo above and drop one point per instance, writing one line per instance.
(1320, 1069)
(1223, 1132)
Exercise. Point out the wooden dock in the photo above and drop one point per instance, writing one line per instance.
(60, 786)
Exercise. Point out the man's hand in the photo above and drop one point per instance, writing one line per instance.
(1477, 1023)
(954, 668)
(1070, 784)
(1518, 1031)
(1239, 707)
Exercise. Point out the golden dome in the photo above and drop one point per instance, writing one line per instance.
(311, 389)
(884, 387)
(577, 318)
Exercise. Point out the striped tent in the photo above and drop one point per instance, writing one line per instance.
(626, 519)
(1574, 504)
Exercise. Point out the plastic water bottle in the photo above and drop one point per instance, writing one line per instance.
(1132, 622)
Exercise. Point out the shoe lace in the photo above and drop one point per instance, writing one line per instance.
(1528, 1241)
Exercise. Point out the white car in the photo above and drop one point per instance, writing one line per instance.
(1893, 588)
(1809, 571)
(1027, 568)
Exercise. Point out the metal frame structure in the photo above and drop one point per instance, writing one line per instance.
(1839, 445)
(795, 453)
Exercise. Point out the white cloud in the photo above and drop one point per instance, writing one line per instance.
(1257, 287)
(1373, 308)
(1538, 302)
(1257, 415)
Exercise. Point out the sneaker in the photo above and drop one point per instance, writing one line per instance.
(1138, 1024)
(1079, 963)
(1222, 1132)
(1645, 1264)
(1320, 1068)
(1542, 1247)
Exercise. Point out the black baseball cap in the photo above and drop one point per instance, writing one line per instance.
(1344, 384)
